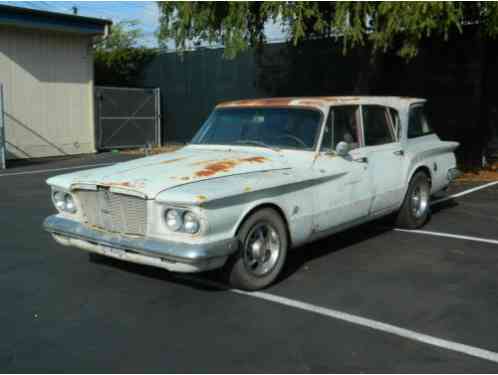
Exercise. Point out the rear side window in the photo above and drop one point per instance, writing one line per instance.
(376, 126)
(418, 125)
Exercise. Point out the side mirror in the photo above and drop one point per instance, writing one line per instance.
(342, 148)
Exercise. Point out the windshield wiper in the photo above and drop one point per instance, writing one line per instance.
(257, 143)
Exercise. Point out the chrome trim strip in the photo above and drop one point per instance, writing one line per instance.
(169, 250)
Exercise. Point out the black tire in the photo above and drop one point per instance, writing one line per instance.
(409, 216)
(238, 271)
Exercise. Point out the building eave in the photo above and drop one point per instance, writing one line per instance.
(51, 21)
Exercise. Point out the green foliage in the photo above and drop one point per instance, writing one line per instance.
(400, 26)
(123, 35)
(119, 58)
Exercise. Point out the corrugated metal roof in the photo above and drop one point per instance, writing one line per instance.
(43, 20)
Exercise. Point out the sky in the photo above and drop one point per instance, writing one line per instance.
(146, 12)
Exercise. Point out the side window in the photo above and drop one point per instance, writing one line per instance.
(376, 126)
(342, 125)
(418, 125)
(346, 126)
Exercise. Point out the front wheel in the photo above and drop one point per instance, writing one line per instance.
(263, 249)
(415, 210)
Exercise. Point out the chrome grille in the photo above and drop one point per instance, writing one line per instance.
(113, 212)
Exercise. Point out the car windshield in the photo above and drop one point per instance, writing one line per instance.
(277, 128)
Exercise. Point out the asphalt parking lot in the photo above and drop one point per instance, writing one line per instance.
(371, 299)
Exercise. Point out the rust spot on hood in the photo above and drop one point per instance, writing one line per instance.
(171, 161)
(119, 184)
(139, 184)
(201, 198)
(215, 167)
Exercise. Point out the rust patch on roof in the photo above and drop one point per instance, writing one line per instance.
(310, 101)
(267, 102)
(215, 167)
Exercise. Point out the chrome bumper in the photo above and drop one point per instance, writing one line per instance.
(173, 256)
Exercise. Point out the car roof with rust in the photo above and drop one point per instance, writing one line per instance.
(323, 101)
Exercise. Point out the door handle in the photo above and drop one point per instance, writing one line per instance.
(399, 153)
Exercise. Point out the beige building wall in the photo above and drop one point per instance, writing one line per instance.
(48, 93)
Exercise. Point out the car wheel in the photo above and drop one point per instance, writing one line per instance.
(263, 248)
(415, 210)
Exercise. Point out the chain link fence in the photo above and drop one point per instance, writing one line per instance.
(127, 117)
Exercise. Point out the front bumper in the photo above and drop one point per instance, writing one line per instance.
(173, 256)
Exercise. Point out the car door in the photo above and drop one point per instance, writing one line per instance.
(385, 157)
(344, 194)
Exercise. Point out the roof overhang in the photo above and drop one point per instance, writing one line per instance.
(41, 20)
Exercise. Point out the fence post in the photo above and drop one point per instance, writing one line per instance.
(3, 164)
(158, 117)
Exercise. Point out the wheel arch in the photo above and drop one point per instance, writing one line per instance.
(421, 168)
(261, 206)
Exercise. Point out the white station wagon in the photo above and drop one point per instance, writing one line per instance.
(260, 177)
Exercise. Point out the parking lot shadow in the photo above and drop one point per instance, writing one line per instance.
(435, 208)
(296, 259)
(206, 281)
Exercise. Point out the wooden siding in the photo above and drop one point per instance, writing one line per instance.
(48, 88)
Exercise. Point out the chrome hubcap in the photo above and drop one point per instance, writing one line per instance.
(420, 200)
(261, 249)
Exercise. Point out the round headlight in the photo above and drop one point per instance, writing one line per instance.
(190, 223)
(59, 200)
(69, 203)
(173, 220)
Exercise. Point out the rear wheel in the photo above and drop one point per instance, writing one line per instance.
(263, 249)
(415, 210)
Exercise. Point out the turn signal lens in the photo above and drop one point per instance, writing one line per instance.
(190, 223)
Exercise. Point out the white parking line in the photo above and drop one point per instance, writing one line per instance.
(55, 170)
(449, 235)
(376, 325)
(356, 319)
(465, 192)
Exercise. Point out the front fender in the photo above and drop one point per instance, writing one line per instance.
(227, 201)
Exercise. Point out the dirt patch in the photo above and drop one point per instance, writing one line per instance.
(489, 173)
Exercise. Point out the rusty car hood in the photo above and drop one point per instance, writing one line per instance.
(151, 175)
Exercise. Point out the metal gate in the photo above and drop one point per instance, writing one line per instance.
(2, 131)
(127, 117)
